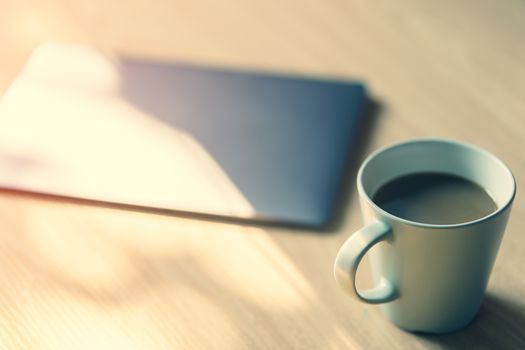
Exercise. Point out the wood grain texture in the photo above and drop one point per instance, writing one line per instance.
(78, 276)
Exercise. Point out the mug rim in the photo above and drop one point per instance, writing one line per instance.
(475, 148)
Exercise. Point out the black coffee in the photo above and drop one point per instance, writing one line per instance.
(434, 198)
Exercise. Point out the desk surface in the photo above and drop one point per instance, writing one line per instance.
(78, 276)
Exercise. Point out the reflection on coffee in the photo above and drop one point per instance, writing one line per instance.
(434, 198)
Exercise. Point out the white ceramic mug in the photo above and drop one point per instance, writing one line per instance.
(429, 278)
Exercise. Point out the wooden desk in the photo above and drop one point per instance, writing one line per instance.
(77, 276)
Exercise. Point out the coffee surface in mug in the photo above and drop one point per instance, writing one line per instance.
(434, 198)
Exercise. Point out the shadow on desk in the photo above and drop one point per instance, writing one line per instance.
(499, 325)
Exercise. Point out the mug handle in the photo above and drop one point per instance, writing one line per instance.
(349, 257)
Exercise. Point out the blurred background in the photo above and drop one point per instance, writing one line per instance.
(396, 48)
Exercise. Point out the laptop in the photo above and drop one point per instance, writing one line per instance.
(79, 123)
